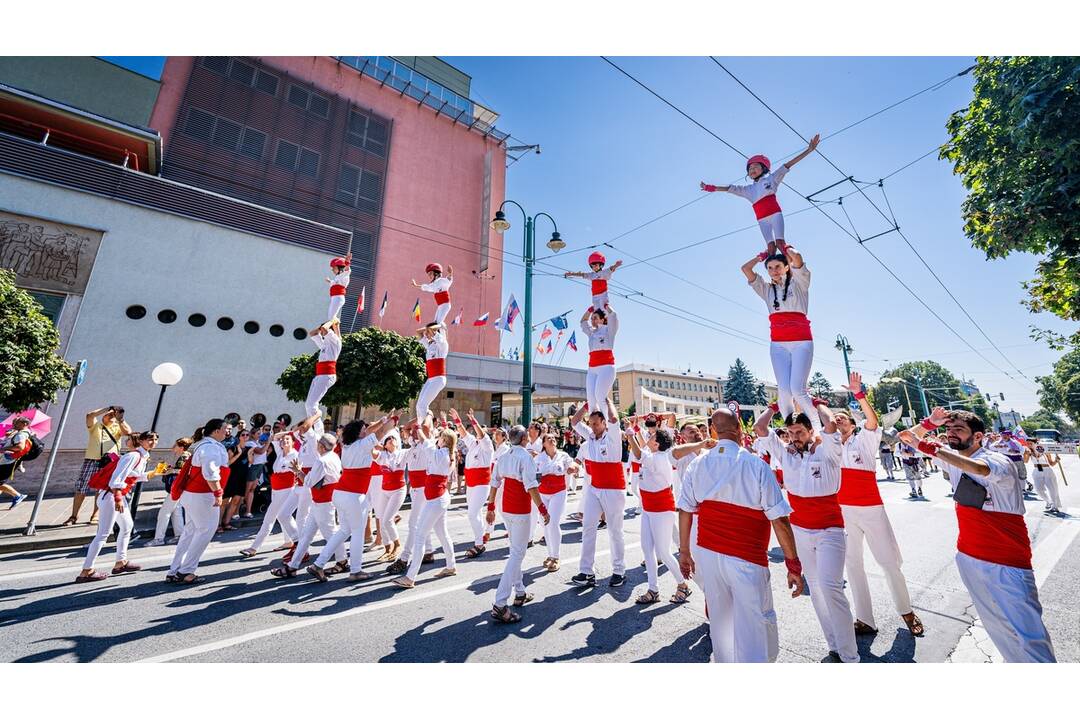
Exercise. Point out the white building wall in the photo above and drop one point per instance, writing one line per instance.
(165, 261)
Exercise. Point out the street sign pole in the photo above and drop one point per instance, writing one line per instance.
(77, 378)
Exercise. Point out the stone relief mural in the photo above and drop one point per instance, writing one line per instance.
(47, 255)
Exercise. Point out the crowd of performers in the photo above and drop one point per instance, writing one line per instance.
(711, 496)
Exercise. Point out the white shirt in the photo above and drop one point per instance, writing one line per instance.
(329, 345)
(441, 284)
(327, 469)
(1004, 488)
(558, 465)
(798, 291)
(439, 459)
(342, 278)
(210, 456)
(731, 474)
(309, 447)
(767, 184)
(606, 449)
(15, 440)
(1008, 447)
(416, 457)
(656, 471)
(603, 337)
(860, 449)
(132, 463)
(437, 347)
(358, 454)
(518, 464)
(392, 460)
(809, 474)
(500, 451)
(535, 447)
(283, 461)
(478, 453)
(683, 463)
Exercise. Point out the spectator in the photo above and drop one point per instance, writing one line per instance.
(258, 449)
(169, 507)
(15, 444)
(237, 482)
(105, 426)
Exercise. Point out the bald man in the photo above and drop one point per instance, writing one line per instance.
(737, 502)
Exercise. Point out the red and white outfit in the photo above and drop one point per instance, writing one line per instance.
(600, 376)
(440, 286)
(1045, 480)
(792, 348)
(865, 517)
(350, 499)
(993, 555)
(282, 487)
(433, 514)
(479, 458)
(553, 471)
(320, 481)
(734, 497)
(436, 350)
(762, 195)
(392, 492)
(339, 285)
(598, 285)
(515, 472)
(417, 459)
(812, 481)
(607, 494)
(325, 369)
(209, 462)
(658, 515)
(130, 469)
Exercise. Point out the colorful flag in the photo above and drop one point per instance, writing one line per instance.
(549, 348)
(517, 354)
(457, 320)
(572, 342)
(416, 310)
(560, 322)
(482, 320)
(385, 302)
(512, 311)
(498, 324)
(540, 349)
(546, 334)
(360, 301)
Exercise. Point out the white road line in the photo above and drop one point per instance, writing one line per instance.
(309, 622)
(1049, 551)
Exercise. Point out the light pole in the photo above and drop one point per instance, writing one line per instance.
(500, 225)
(904, 384)
(844, 346)
(166, 375)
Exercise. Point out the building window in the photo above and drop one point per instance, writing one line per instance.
(225, 133)
(307, 100)
(196, 319)
(277, 330)
(366, 132)
(251, 327)
(225, 323)
(297, 159)
(167, 316)
(252, 142)
(359, 188)
(243, 73)
(51, 305)
(300, 334)
(135, 312)
(199, 124)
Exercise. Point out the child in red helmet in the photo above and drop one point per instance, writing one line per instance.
(599, 277)
(440, 286)
(762, 194)
(339, 285)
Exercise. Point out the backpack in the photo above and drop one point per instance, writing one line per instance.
(36, 446)
(100, 479)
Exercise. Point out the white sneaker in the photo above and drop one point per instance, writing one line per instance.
(156, 542)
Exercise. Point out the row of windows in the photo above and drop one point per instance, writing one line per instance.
(676, 385)
(417, 86)
(169, 316)
(225, 133)
(295, 158)
(250, 76)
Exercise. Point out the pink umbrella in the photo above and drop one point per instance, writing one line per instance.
(40, 423)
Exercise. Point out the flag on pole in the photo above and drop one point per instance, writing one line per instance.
(512, 311)
(457, 320)
(360, 301)
(498, 324)
(540, 348)
(416, 310)
(482, 320)
(549, 348)
(560, 322)
(572, 342)
(385, 302)
(546, 334)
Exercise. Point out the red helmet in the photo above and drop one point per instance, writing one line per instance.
(339, 262)
(434, 267)
(759, 159)
(597, 258)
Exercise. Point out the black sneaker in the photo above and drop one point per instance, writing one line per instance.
(617, 581)
(920, 493)
(602, 525)
(584, 580)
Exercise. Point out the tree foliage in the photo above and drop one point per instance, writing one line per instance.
(1017, 148)
(1043, 418)
(931, 375)
(820, 386)
(742, 387)
(376, 368)
(1060, 390)
(31, 371)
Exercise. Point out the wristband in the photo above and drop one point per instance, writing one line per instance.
(928, 447)
(928, 424)
(818, 402)
(860, 395)
(775, 407)
(794, 566)
(219, 493)
(491, 507)
(543, 509)
(709, 188)
(394, 419)
(474, 423)
(762, 256)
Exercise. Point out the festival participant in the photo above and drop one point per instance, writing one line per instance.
(601, 450)
(114, 509)
(658, 512)
(440, 286)
(350, 495)
(328, 339)
(199, 492)
(600, 325)
(598, 278)
(1045, 480)
(479, 459)
(736, 502)
(888, 460)
(993, 549)
(553, 466)
(417, 459)
(390, 458)
(168, 509)
(786, 294)
(305, 437)
(339, 286)
(910, 462)
(282, 489)
(762, 194)
(516, 470)
(433, 337)
(811, 463)
(1010, 447)
(433, 516)
(865, 517)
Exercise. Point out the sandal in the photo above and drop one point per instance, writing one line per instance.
(283, 572)
(648, 598)
(522, 599)
(681, 595)
(127, 567)
(914, 624)
(69, 522)
(228, 527)
(318, 572)
(553, 566)
(337, 568)
(505, 615)
(475, 551)
(191, 579)
(862, 628)
(358, 577)
(446, 572)
(93, 577)
(403, 582)
(249, 552)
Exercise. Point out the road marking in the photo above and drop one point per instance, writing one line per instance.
(1049, 551)
(309, 622)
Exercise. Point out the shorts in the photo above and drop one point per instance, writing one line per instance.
(236, 486)
(82, 484)
(7, 471)
(256, 472)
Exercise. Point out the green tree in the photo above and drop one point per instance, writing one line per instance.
(945, 388)
(1043, 418)
(1016, 147)
(1060, 390)
(376, 368)
(31, 372)
(820, 386)
(742, 387)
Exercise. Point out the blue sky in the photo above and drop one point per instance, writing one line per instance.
(614, 157)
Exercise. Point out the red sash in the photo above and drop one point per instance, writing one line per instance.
(417, 478)
(355, 480)
(994, 537)
(789, 326)
(282, 480)
(516, 499)
(477, 476)
(606, 475)
(815, 513)
(659, 501)
(780, 476)
(766, 206)
(326, 367)
(337, 290)
(436, 367)
(598, 358)
(442, 297)
(635, 467)
(858, 487)
(551, 484)
(392, 479)
(599, 287)
(734, 530)
(197, 483)
(323, 494)
(434, 486)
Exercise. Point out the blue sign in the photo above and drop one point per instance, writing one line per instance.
(80, 373)
(854, 404)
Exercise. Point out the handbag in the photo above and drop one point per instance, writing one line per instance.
(106, 459)
(969, 493)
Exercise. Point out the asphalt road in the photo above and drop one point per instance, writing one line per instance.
(243, 614)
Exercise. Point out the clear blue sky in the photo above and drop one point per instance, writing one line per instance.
(614, 157)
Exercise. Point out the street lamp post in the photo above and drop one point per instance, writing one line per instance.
(844, 346)
(166, 375)
(500, 225)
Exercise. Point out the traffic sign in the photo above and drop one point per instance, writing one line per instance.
(80, 373)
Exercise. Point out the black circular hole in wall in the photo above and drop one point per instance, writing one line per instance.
(135, 312)
(251, 327)
(299, 334)
(167, 316)
(225, 323)
(277, 330)
(196, 319)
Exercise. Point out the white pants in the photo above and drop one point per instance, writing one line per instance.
(871, 522)
(611, 503)
(300, 503)
(1007, 601)
(417, 499)
(200, 522)
(742, 621)
(822, 555)
(390, 502)
(513, 580)
(320, 518)
(598, 383)
(555, 503)
(320, 384)
(441, 311)
(914, 477)
(279, 500)
(352, 511)
(586, 490)
(336, 303)
(432, 517)
(431, 389)
(791, 363)
(655, 542)
(887, 463)
(772, 227)
(107, 517)
(1046, 486)
(599, 300)
(476, 510)
(169, 510)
